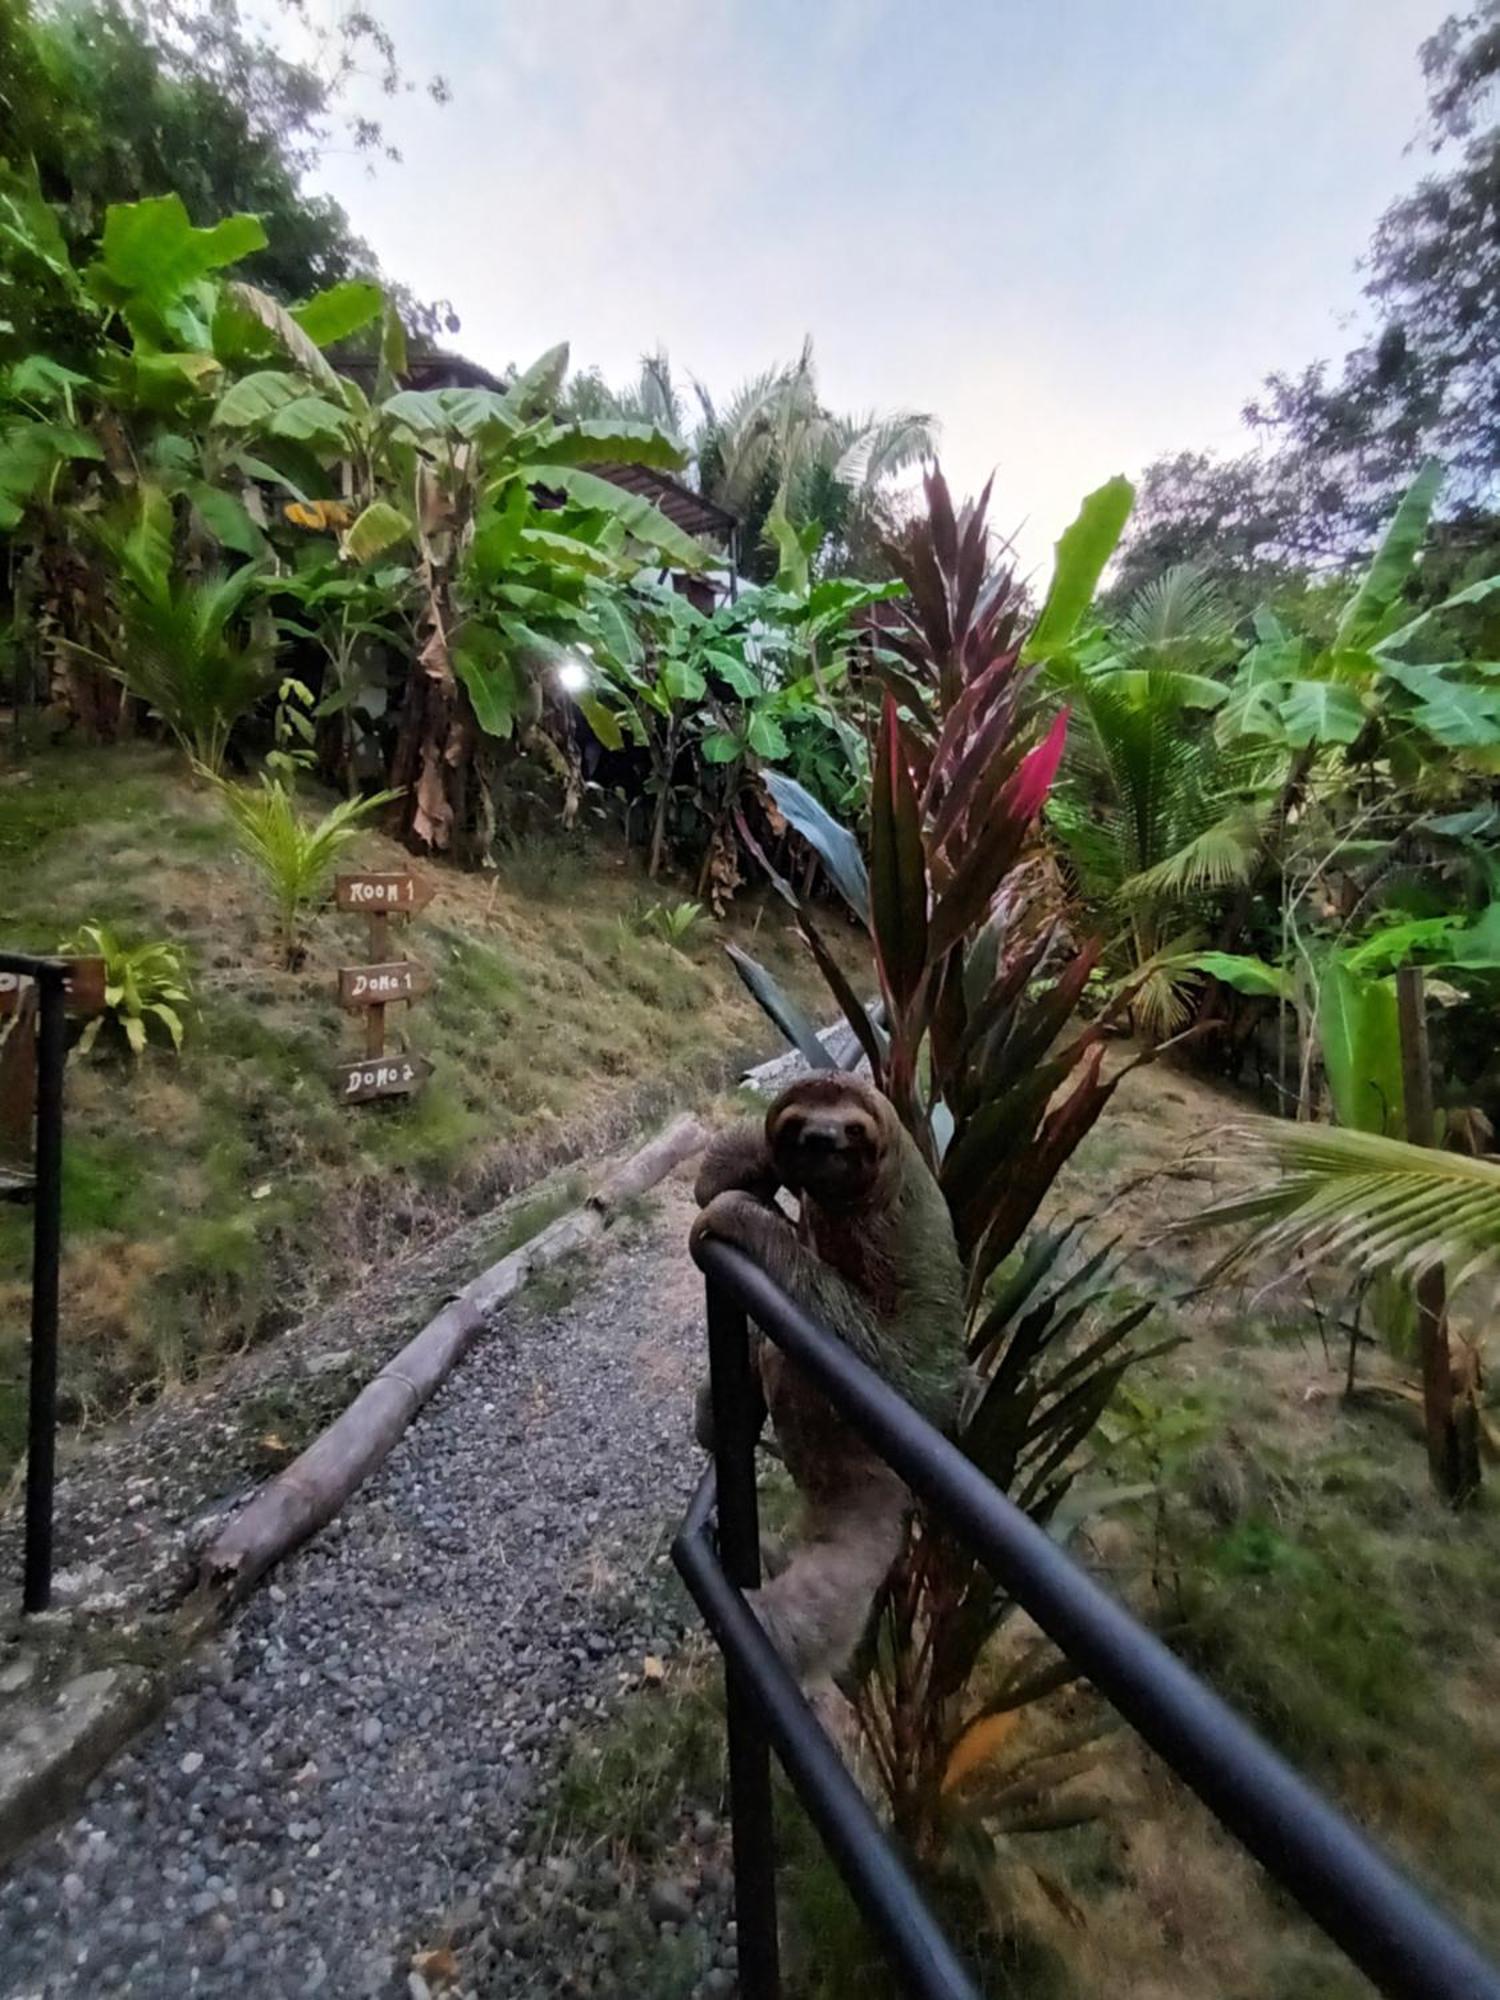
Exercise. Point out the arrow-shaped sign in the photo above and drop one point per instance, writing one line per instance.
(381, 1076)
(374, 985)
(395, 892)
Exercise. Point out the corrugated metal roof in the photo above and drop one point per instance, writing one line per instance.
(689, 510)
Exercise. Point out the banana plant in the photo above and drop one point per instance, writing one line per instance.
(1310, 699)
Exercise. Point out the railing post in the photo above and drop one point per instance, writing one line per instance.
(52, 1051)
(736, 1407)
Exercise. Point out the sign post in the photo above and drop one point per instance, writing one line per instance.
(380, 983)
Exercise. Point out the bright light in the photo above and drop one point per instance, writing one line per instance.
(572, 676)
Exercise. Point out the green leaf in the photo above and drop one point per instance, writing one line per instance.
(535, 389)
(729, 667)
(1245, 975)
(608, 441)
(1373, 1203)
(1474, 593)
(791, 567)
(637, 516)
(1397, 943)
(719, 747)
(682, 680)
(166, 382)
(380, 527)
(1393, 562)
(1320, 712)
(392, 352)
(482, 662)
(283, 329)
(1453, 713)
(339, 310)
(1083, 549)
(766, 737)
(280, 404)
(39, 379)
(31, 452)
(151, 254)
(227, 519)
(782, 1009)
(835, 845)
(1361, 1040)
(1477, 948)
(602, 721)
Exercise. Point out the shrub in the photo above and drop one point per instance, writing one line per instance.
(673, 923)
(142, 983)
(294, 860)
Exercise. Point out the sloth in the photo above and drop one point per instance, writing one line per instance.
(871, 1257)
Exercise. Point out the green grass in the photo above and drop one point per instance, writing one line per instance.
(210, 1200)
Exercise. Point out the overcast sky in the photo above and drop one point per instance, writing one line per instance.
(1078, 231)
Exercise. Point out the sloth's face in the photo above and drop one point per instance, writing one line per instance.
(825, 1142)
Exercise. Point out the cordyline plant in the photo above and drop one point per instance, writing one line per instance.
(975, 1044)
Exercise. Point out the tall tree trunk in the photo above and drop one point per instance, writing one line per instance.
(1452, 1433)
(659, 822)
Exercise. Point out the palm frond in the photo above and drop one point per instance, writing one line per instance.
(1179, 613)
(1375, 1205)
(1216, 858)
(875, 448)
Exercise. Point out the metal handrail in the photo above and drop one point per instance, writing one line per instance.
(51, 975)
(1350, 1890)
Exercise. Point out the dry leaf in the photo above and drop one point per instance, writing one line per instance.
(653, 1671)
(318, 514)
(271, 1442)
(438, 1967)
(978, 1744)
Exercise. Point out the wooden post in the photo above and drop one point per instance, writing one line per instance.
(1454, 1469)
(380, 951)
(378, 896)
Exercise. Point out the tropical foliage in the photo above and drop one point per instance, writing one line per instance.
(143, 984)
(976, 1043)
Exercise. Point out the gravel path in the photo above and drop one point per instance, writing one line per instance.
(339, 1783)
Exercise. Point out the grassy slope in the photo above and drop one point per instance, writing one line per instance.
(209, 1200)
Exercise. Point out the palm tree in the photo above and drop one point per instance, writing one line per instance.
(774, 439)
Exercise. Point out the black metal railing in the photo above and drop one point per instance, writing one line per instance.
(43, 1188)
(1351, 1892)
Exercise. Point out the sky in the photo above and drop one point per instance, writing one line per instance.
(1079, 232)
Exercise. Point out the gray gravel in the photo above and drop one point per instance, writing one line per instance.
(343, 1783)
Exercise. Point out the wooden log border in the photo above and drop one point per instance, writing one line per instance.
(309, 1492)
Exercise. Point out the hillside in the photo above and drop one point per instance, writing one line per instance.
(211, 1198)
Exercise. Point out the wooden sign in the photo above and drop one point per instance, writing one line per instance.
(374, 985)
(18, 1083)
(394, 894)
(384, 981)
(384, 1076)
(83, 989)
